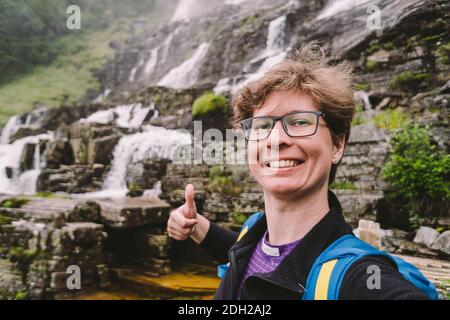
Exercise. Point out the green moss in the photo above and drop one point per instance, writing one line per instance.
(238, 218)
(358, 118)
(374, 47)
(361, 86)
(408, 79)
(22, 255)
(20, 295)
(443, 53)
(4, 220)
(371, 65)
(51, 195)
(221, 181)
(209, 102)
(391, 119)
(14, 202)
(346, 185)
(389, 45)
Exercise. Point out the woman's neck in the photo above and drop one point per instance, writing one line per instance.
(291, 218)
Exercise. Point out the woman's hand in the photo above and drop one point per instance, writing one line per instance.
(185, 222)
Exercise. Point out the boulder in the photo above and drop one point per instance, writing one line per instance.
(426, 236)
(442, 242)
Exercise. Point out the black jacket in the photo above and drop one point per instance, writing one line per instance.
(288, 280)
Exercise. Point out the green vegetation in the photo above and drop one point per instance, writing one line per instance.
(51, 195)
(221, 181)
(361, 86)
(358, 118)
(345, 185)
(390, 119)
(418, 172)
(21, 295)
(408, 79)
(209, 102)
(371, 65)
(14, 202)
(5, 220)
(443, 52)
(22, 255)
(238, 218)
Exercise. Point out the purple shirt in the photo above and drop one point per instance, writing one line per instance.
(266, 258)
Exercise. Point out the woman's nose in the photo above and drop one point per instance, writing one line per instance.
(278, 136)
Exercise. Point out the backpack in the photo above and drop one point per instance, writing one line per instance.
(327, 273)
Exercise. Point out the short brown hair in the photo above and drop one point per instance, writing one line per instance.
(308, 69)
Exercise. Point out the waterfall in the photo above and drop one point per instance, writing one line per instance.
(152, 143)
(364, 98)
(185, 75)
(334, 7)
(12, 180)
(151, 63)
(272, 54)
(10, 128)
(124, 116)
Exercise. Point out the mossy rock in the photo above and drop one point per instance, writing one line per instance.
(14, 202)
(408, 80)
(208, 103)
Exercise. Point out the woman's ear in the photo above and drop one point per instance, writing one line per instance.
(338, 148)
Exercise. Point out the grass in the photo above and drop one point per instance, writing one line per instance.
(390, 119)
(443, 52)
(345, 185)
(68, 78)
(408, 79)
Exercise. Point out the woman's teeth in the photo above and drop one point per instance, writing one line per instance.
(284, 163)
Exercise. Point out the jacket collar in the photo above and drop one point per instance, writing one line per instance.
(293, 271)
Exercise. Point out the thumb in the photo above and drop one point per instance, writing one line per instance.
(190, 209)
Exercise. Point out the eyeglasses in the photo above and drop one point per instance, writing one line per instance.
(295, 124)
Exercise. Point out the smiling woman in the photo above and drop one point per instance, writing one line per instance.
(297, 120)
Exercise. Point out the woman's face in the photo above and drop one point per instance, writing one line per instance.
(312, 156)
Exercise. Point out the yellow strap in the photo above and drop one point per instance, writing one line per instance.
(243, 232)
(323, 280)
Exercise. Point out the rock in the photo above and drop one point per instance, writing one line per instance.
(426, 236)
(445, 89)
(442, 242)
(370, 232)
(101, 150)
(27, 157)
(59, 152)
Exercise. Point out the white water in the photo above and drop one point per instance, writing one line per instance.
(125, 116)
(151, 63)
(273, 54)
(152, 143)
(10, 128)
(334, 7)
(364, 98)
(186, 10)
(10, 155)
(102, 96)
(185, 75)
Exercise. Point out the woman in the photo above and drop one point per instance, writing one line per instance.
(297, 122)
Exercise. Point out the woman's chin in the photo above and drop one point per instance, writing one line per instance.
(282, 189)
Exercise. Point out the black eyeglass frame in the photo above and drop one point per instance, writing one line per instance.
(280, 118)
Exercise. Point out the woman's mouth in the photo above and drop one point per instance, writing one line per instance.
(279, 164)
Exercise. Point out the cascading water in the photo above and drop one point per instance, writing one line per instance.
(185, 75)
(10, 128)
(151, 63)
(272, 54)
(125, 116)
(12, 179)
(334, 7)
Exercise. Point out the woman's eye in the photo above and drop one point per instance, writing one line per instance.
(263, 126)
(299, 123)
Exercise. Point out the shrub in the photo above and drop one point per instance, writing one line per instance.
(209, 102)
(419, 172)
(408, 79)
(443, 52)
(221, 181)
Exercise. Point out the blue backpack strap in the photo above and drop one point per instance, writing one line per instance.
(327, 273)
(250, 222)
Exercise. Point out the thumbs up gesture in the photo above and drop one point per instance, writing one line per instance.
(183, 220)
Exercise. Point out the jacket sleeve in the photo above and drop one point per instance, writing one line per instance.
(392, 285)
(218, 241)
